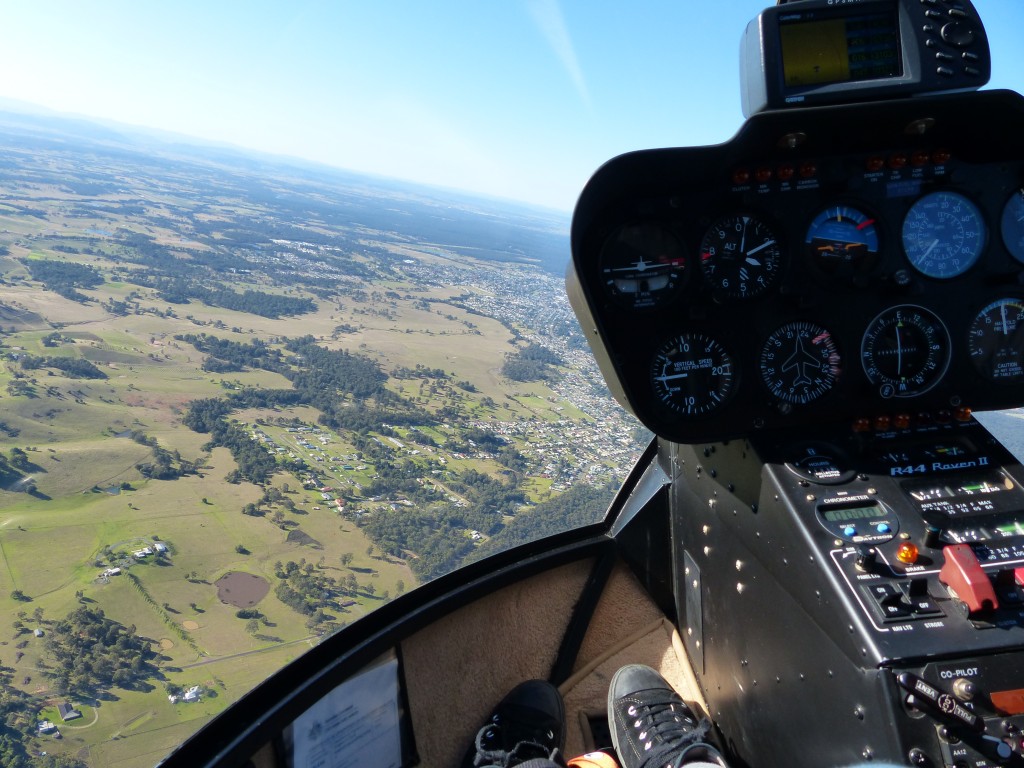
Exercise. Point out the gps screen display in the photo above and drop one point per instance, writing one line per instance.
(840, 49)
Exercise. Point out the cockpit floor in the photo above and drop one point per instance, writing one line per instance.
(458, 668)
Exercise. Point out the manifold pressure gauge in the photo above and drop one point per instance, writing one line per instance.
(693, 375)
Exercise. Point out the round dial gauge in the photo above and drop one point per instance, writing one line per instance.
(905, 351)
(693, 374)
(943, 234)
(740, 256)
(842, 241)
(995, 341)
(642, 265)
(821, 463)
(1012, 225)
(800, 362)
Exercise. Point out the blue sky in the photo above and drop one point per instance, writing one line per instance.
(521, 99)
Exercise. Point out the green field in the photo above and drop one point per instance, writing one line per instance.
(81, 504)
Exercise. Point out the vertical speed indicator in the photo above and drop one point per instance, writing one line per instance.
(693, 374)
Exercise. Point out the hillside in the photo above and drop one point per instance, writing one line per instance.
(244, 403)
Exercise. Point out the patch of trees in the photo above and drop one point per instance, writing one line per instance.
(488, 494)
(207, 416)
(15, 723)
(94, 653)
(581, 505)
(254, 463)
(15, 472)
(203, 414)
(476, 438)
(419, 372)
(311, 592)
(227, 355)
(437, 536)
(334, 370)
(532, 363)
(320, 377)
(165, 465)
(181, 290)
(64, 277)
(73, 367)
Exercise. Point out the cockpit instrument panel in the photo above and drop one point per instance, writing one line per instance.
(782, 279)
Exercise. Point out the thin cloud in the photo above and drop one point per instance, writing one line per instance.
(547, 15)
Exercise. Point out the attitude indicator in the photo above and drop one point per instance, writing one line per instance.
(842, 241)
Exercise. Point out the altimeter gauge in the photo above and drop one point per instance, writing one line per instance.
(740, 255)
(693, 374)
(642, 265)
(995, 341)
(800, 362)
(905, 351)
(943, 234)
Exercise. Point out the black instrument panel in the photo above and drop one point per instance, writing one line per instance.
(780, 280)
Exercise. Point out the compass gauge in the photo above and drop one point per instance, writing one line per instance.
(905, 351)
(800, 362)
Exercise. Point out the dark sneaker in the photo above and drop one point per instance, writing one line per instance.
(529, 723)
(651, 725)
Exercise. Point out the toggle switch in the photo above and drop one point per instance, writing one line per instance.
(963, 574)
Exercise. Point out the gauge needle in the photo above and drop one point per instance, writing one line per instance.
(639, 266)
(931, 248)
(669, 378)
(899, 350)
(1002, 315)
(761, 247)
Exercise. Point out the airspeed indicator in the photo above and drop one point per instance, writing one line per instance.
(693, 374)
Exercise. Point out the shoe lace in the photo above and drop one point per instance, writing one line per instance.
(666, 721)
(500, 758)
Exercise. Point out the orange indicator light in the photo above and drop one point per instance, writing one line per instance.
(907, 553)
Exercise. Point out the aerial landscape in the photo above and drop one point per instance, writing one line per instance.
(243, 403)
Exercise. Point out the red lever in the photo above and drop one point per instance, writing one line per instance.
(963, 574)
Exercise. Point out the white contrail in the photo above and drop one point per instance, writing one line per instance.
(547, 14)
